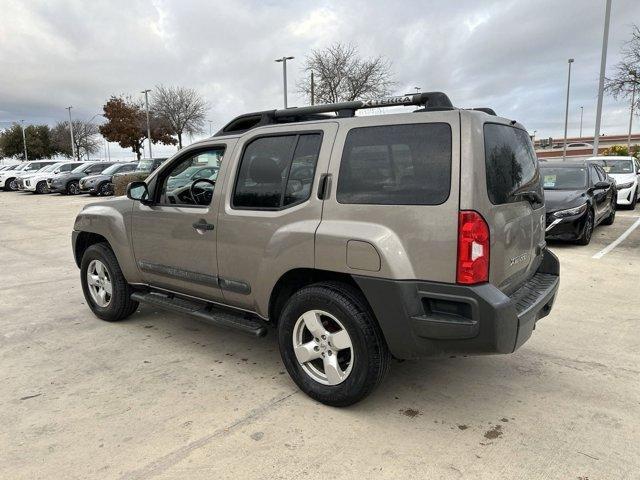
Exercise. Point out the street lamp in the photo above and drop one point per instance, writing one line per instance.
(24, 141)
(603, 67)
(566, 112)
(146, 101)
(581, 114)
(73, 144)
(417, 89)
(210, 122)
(284, 75)
(634, 74)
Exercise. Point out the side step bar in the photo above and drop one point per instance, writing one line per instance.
(205, 312)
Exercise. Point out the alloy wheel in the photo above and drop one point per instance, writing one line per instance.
(323, 347)
(99, 282)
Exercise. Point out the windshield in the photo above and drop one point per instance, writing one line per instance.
(33, 167)
(563, 178)
(48, 168)
(144, 166)
(616, 166)
(81, 168)
(112, 169)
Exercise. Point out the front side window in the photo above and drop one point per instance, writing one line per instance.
(396, 165)
(192, 179)
(511, 163)
(277, 171)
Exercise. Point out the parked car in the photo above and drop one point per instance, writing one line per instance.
(145, 167)
(580, 145)
(578, 197)
(100, 184)
(626, 172)
(357, 237)
(38, 182)
(8, 177)
(68, 183)
(23, 178)
(190, 174)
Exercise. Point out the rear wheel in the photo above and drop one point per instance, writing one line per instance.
(73, 188)
(105, 289)
(331, 345)
(587, 230)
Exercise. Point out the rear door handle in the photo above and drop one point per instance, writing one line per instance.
(203, 225)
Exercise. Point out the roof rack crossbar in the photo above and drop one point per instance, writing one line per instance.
(426, 99)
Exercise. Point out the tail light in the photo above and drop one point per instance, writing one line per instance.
(473, 248)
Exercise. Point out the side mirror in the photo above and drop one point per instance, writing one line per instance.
(601, 185)
(138, 191)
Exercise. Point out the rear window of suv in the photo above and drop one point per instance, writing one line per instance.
(511, 163)
(396, 165)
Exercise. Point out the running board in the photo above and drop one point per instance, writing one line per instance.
(205, 312)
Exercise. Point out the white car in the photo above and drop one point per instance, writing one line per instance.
(37, 182)
(8, 177)
(626, 172)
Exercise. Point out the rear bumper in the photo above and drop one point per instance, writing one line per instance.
(421, 319)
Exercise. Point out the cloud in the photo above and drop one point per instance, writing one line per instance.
(510, 55)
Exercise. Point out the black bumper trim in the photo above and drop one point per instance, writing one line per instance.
(432, 319)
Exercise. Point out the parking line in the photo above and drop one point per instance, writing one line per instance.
(617, 241)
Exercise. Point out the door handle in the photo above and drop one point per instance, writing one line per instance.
(203, 225)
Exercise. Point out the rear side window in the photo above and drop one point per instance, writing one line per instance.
(396, 165)
(277, 171)
(511, 163)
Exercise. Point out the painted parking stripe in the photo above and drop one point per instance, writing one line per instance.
(617, 241)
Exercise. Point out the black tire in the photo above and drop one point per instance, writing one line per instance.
(587, 230)
(634, 200)
(73, 188)
(120, 305)
(612, 216)
(10, 185)
(41, 187)
(104, 189)
(369, 348)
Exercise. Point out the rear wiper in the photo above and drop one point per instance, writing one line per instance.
(533, 197)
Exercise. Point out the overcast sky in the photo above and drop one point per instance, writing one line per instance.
(509, 55)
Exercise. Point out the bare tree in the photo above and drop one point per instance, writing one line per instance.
(183, 109)
(85, 138)
(627, 71)
(341, 75)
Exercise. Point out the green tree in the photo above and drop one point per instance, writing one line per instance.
(38, 139)
(126, 125)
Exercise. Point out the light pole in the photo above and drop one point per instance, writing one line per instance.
(603, 67)
(146, 101)
(566, 112)
(632, 73)
(73, 143)
(581, 114)
(210, 121)
(284, 75)
(417, 89)
(24, 141)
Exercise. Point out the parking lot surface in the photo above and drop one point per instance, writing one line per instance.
(158, 396)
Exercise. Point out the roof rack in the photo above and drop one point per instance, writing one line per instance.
(242, 123)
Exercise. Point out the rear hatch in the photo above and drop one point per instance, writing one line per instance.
(509, 195)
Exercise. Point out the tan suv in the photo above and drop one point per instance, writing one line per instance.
(357, 238)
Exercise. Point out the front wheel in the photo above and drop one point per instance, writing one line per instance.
(73, 188)
(612, 216)
(105, 190)
(331, 345)
(587, 230)
(41, 187)
(105, 289)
